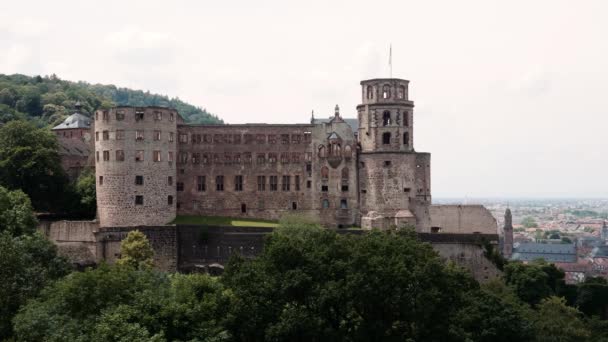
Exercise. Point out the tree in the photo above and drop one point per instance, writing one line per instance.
(85, 188)
(557, 322)
(16, 213)
(530, 282)
(135, 251)
(592, 297)
(311, 282)
(29, 161)
(529, 222)
(28, 263)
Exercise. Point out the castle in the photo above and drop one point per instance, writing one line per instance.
(151, 165)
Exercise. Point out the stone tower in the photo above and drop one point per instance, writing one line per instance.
(394, 180)
(508, 235)
(135, 151)
(604, 232)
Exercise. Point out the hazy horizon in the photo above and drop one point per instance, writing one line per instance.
(508, 96)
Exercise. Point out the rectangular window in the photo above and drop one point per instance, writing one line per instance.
(272, 139)
(139, 180)
(206, 159)
(273, 183)
(106, 135)
(308, 184)
(139, 155)
(106, 115)
(106, 155)
(120, 134)
(157, 135)
(170, 156)
(286, 183)
(307, 137)
(219, 183)
(120, 115)
(97, 155)
(324, 188)
(139, 114)
(196, 158)
(139, 135)
(343, 204)
(236, 139)
(171, 137)
(183, 138)
(272, 158)
(297, 182)
(183, 157)
(170, 180)
(261, 158)
(285, 139)
(247, 157)
(139, 200)
(201, 184)
(100, 180)
(238, 183)
(180, 186)
(96, 136)
(157, 156)
(285, 158)
(261, 183)
(260, 138)
(296, 139)
(158, 116)
(169, 200)
(171, 117)
(308, 157)
(120, 155)
(344, 187)
(237, 158)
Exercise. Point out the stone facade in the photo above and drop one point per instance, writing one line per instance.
(135, 151)
(324, 170)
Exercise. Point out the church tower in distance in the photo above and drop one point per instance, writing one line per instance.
(394, 179)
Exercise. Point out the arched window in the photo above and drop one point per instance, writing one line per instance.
(325, 204)
(386, 91)
(386, 138)
(324, 172)
(345, 173)
(386, 118)
(322, 152)
(370, 92)
(401, 92)
(336, 150)
(406, 138)
(348, 152)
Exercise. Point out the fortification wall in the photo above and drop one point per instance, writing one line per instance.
(464, 219)
(75, 240)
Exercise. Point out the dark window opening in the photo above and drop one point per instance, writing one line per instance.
(261, 183)
(344, 188)
(286, 183)
(139, 180)
(324, 188)
(170, 200)
(201, 183)
(363, 191)
(139, 200)
(386, 91)
(343, 204)
(100, 180)
(406, 138)
(180, 186)
(435, 229)
(386, 138)
(139, 115)
(297, 183)
(273, 183)
(386, 118)
(219, 183)
(243, 208)
(308, 184)
(325, 204)
(238, 183)
(294, 205)
(387, 163)
(406, 189)
(169, 180)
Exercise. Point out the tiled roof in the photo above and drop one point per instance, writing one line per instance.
(529, 251)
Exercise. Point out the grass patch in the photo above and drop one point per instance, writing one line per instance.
(223, 221)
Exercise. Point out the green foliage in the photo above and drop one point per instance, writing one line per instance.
(494, 255)
(48, 100)
(136, 251)
(27, 264)
(529, 222)
(557, 322)
(311, 282)
(535, 281)
(120, 303)
(85, 188)
(494, 313)
(592, 297)
(16, 213)
(566, 239)
(29, 161)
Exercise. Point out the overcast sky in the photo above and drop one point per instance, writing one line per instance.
(509, 95)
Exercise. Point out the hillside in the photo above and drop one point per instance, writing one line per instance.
(48, 100)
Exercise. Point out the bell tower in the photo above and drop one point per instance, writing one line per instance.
(394, 179)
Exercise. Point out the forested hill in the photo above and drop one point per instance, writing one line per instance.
(49, 99)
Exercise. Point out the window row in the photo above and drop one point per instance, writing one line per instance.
(284, 139)
(139, 135)
(335, 150)
(245, 158)
(270, 183)
(119, 115)
(138, 156)
(387, 138)
(389, 119)
(386, 92)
